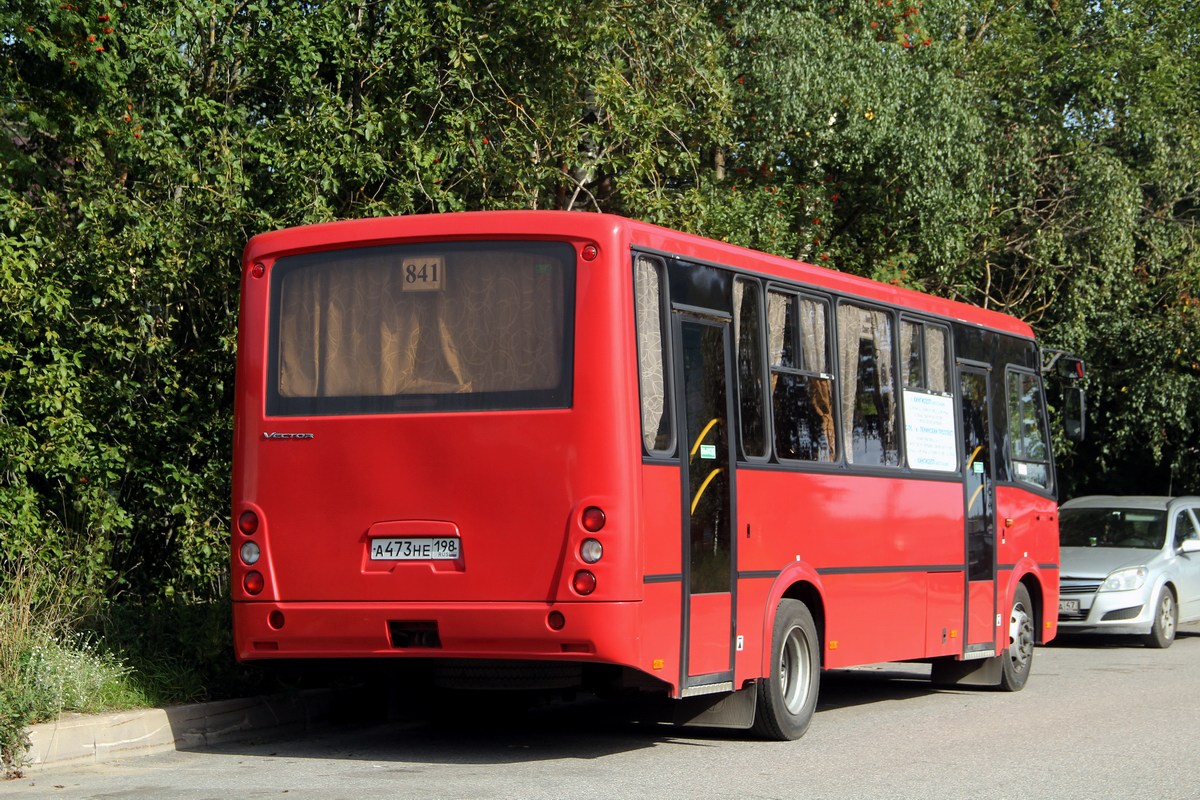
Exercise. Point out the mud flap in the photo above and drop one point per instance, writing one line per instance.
(724, 710)
(977, 672)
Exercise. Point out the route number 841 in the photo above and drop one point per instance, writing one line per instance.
(423, 274)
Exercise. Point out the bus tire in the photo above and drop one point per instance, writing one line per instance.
(1166, 619)
(787, 696)
(1017, 658)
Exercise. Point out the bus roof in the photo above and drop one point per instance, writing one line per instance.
(609, 228)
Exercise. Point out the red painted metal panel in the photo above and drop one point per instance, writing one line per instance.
(944, 628)
(981, 624)
(708, 633)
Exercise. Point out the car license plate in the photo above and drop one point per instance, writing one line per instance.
(1068, 606)
(440, 548)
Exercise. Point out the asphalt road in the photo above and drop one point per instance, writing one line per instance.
(1100, 718)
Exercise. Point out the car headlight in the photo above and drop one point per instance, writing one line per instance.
(1124, 580)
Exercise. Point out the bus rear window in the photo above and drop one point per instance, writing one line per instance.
(467, 326)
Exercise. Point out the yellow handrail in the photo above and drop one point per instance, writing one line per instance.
(703, 486)
(974, 497)
(703, 433)
(971, 460)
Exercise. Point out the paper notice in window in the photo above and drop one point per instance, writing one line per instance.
(929, 431)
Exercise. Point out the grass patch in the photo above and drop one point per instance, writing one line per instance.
(28, 625)
(179, 651)
(55, 659)
(69, 672)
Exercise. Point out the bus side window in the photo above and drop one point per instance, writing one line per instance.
(866, 366)
(747, 338)
(1028, 446)
(924, 357)
(658, 435)
(801, 385)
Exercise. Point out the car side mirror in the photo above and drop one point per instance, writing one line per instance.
(1190, 546)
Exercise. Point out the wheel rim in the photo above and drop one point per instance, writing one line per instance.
(795, 667)
(1020, 637)
(1166, 616)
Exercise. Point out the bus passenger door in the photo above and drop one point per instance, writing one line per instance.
(706, 465)
(980, 502)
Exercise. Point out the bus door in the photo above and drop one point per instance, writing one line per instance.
(980, 501)
(704, 400)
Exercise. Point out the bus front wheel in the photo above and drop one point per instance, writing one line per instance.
(787, 696)
(1017, 658)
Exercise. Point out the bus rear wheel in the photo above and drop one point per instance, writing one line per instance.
(787, 697)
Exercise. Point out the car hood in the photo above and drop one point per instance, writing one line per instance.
(1098, 562)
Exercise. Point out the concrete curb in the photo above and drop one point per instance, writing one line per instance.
(90, 738)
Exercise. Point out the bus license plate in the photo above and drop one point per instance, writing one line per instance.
(1068, 606)
(441, 548)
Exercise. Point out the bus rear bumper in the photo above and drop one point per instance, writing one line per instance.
(596, 631)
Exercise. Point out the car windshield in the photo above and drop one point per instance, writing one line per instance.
(1112, 527)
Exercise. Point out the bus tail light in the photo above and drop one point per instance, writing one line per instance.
(248, 523)
(584, 582)
(253, 583)
(593, 519)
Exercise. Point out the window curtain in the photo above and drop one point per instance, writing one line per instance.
(814, 341)
(648, 308)
(348, 328)
(936, 359)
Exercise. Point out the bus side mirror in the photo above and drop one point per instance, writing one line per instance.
(1075, 413)
(1069, 367)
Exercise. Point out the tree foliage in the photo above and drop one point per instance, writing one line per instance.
(1035, 156)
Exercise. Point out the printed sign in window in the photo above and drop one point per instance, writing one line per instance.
(929, 431)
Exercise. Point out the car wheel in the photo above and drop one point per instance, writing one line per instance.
(1166, 615)
(1017, 659)
(787, 697)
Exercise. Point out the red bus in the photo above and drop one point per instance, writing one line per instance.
(560, 449)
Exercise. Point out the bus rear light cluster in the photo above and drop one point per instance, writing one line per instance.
(250, 551)
(591, 550)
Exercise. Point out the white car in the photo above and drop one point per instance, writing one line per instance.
(1129, 565)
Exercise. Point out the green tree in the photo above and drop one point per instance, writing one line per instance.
(853, 112)
(145, 143)
(1091, 232)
